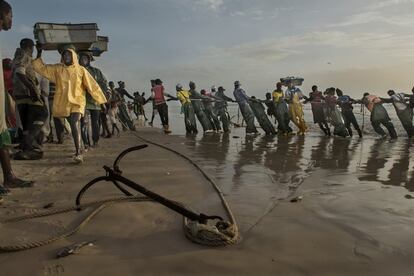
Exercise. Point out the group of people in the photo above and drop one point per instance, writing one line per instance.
(330, 109)
(74, 97)
(72, 93)
(70, 97)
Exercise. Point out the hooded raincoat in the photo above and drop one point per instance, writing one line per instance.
(293, 96)
(71, 83)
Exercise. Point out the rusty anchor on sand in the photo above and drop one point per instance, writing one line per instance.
(114, 175)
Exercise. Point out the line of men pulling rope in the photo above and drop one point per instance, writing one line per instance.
(331, 107)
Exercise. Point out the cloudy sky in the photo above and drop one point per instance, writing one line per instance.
(358, 45)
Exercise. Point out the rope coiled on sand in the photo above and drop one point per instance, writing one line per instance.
(224, 233)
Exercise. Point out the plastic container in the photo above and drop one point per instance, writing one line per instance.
(293, 80)
(52, 36)
(100, 46)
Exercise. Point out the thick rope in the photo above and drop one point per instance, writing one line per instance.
(224, 233)
(101, 204)
(221, 234)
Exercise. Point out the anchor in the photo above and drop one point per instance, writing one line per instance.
(114, 175)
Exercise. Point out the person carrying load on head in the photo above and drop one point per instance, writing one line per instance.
(95, 110)
(72, 82)
(293, 96)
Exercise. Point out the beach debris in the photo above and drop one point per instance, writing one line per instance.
(49, 205)
(409, 197)
(72, 249)
(296, 199)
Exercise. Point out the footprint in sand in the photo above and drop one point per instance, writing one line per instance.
(53, 269)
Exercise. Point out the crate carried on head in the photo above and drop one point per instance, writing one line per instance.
(292, 80)
(100, 46)
(54, 36)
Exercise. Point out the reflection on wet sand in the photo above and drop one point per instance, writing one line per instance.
(256, 172)
(390, 164)
(285, 162)
(334, 153)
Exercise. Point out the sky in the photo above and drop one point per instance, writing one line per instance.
(356, 45)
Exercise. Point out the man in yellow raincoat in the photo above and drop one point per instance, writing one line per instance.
(72, 80)
(293, 95)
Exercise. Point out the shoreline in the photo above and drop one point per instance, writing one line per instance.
(342, 226)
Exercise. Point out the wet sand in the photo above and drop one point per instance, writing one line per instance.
(354, 218)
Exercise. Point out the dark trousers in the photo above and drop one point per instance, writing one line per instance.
(376, 124)
(163, 111)
(104, 124)
(349, 119)
(33, 118)
(124, 118)
(85, 132)
(224, 117)
(95, 117)
(59, 128)
(213, 118)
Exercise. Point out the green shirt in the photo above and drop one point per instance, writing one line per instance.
(103, 84)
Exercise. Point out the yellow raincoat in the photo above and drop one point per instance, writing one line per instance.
(71, 83)
(296, 114)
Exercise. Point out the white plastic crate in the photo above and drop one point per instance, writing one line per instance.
(293, 80)
(53, 35)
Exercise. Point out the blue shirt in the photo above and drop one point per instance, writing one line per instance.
(292, 91)
(240, 96)
(345, 102)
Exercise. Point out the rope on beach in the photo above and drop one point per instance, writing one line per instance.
(224, 233)
(100, 205)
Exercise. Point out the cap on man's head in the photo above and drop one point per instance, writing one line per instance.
(237, 83)
(87, 54)
(221, 88)
(213, 88)
(26, 42)
(178, 86)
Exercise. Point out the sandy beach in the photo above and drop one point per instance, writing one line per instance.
(355, 217)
